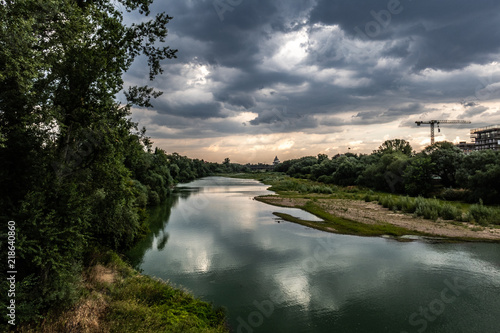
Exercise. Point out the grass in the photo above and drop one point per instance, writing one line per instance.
(433, 209)
(336, 224)
(346, 226)
(429, 208)
(116, 298)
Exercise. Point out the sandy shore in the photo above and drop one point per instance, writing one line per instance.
(372, 213)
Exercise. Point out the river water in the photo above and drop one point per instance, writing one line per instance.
(214, 240)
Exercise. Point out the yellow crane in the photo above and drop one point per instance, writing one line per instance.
(433, 122)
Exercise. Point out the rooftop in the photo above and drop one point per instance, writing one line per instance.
(481, 129)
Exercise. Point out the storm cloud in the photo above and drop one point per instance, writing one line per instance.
(281, 67)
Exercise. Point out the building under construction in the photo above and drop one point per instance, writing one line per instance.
(486, 137)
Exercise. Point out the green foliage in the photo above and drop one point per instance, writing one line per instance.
(73, 174)
(144, 304)
(427, 208)
(434, 208)
(393, 146)
(446, 158)
(483, 215)
(450, 212)
(480, 174)
(282, 184)
(451, 194)
(347, 171)
(385, 173)
(441, 169)
(418, 176)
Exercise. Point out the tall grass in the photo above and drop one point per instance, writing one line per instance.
(484, 215)
(427, 208)
(433, 209)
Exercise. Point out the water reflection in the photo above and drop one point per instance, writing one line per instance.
(282, 277)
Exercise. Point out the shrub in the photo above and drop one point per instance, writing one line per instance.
(483, 215)
(386, 201)
(428, 209)
(451, 194)
(450, 212)
(325, 179)
(325, 189)
(407, 204)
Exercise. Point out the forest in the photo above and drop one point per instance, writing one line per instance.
(440, 170)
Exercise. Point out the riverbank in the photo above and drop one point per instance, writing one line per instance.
(345, 211)
(117, 298)
(357, 217)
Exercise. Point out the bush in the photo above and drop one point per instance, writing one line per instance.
(428, 209)
(154, 198)
(325, 179)
(483, 215)
(450, 212)
(450, 194)
(386, 201)
(407, 204)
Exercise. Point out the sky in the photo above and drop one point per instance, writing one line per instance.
(255, 79)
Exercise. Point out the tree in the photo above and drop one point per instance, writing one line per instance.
(64, 135)
(347, 171)
(418, 175)
(322, 157)
(480, 174)
(447, 159)
(385, 172)
(396, 145)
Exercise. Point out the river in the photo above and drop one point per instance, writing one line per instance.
(214, 240)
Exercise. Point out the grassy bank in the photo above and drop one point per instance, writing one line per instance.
(318, 198)
(116, 298)
(429, 208)
(336, 224)
(433, 209)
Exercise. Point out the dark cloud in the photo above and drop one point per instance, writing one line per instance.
(244, 100)
(381, 60)
(472, 109)
(389, 115)
(188, 110)
(449, 34)
(281, 120)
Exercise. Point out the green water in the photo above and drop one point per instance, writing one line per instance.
(213, 239)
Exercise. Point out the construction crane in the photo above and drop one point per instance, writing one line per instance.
(432, 122)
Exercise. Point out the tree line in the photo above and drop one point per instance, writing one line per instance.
(441, 169)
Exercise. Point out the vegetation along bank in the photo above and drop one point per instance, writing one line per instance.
(358, 211)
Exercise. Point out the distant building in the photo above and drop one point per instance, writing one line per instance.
(276, 161)
(486, 137)
(466, 147)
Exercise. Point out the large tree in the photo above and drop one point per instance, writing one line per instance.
(64, 136)
(396, 145)
(447, 159)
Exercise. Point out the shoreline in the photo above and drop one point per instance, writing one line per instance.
(117, 298)
(356, 217)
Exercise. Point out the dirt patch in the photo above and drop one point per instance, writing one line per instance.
(373, 213)
(86, 315)
(102, 274)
